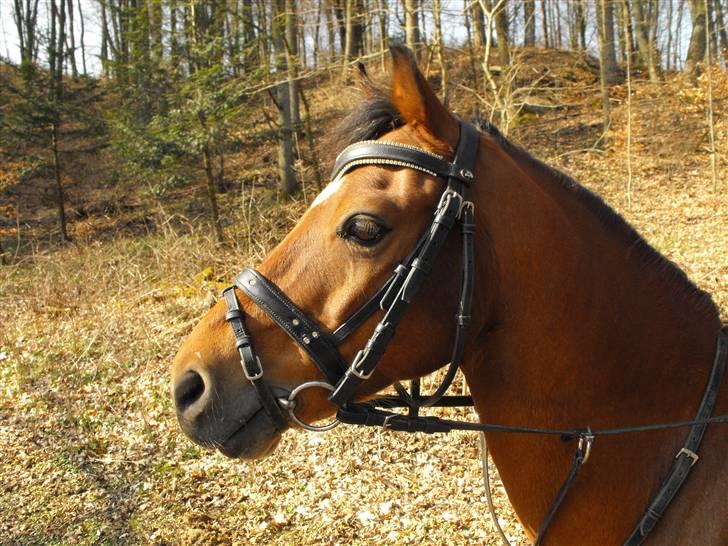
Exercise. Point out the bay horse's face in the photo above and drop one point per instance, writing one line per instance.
(342, 250)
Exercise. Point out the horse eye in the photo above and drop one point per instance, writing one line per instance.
(363, 230)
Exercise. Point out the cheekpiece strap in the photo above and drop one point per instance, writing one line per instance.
(459, 175)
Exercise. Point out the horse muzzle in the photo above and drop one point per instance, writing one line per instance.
(224, 415)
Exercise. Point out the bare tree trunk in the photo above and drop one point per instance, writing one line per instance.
(105, 39)
(283, 103)
(358, 29)
(605, 63)
(71, 50)
(330, 30)
(412, 26)
(82, 38)
(348, 25)
(437, 15)
(60, 200)
(668, 46)
(354, 29)
(382, 15)
(366, 14)
(642, 27)
(469, 42)
(628, 59)
(478, 25)
(339, 12)
(529, 23)
(677, 52)
(264, 37)
(607, 56)
(621, 34)
(501, 31)
(545, 24)
(722, 31)
(557, 23)
(55, 65)
(302, 51)
(317, 35)
(571, 20)
(696, 50)
(292, 61)
(711, 125)
(712, 36)
(311, 138)
(629, 32)
(25, 15)
(555, 38)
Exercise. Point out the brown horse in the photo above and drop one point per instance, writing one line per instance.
(576, 321)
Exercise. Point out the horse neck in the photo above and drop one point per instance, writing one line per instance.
(584, 327)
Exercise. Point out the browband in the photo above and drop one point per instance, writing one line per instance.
(375, 152)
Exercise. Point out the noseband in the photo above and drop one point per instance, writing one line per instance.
(393, 298)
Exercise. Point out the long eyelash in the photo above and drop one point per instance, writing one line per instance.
(342, 233)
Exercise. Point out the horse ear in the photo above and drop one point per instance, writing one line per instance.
(415, 100)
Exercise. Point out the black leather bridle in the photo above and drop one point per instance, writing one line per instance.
(393, 298)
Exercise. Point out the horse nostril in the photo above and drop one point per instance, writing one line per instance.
(189, 389)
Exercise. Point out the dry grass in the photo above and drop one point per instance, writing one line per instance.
(90, 448)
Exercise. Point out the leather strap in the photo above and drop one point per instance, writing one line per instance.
(359, 317)
(375, 152)
(302, 329)
(250, 361)
(460, 173)
(687, 456)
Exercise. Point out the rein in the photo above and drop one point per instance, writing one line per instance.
(394, 298)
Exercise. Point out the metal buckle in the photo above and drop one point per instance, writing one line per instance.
(466, 205)
(685, 451)
(256, 376)
(447, 196)
(289, 405)
(357, 359)
(586, 441)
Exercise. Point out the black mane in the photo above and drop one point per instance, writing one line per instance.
(376, 116)
(369, 120)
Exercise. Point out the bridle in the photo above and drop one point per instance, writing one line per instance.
(393, 298)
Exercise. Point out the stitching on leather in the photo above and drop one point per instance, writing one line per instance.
(329, 360)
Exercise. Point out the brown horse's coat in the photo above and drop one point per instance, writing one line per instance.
(576, 321)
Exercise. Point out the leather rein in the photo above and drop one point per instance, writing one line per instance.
(393, 299)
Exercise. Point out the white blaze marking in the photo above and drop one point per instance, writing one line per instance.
(328, 191)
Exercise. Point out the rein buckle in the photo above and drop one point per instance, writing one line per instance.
(693, 456)
(360, 356)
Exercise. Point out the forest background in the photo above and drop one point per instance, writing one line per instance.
(151, 148)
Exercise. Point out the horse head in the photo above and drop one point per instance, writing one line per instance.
(343, 249)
